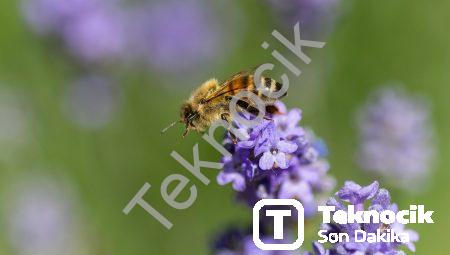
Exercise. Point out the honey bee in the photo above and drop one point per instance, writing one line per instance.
(210, 101)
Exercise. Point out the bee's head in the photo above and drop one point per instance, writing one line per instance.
(187, 115)
(186, 112)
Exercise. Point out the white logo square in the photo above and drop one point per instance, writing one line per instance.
(278, 216)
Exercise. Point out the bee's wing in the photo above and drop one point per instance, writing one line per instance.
(233, 85)
(242, 81)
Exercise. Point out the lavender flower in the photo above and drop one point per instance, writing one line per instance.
(395, 137)
(98, 34)
(93, 30)
(380, 200)
(278, 160)
(50, 16)
(41, 219)
(316, 17)
(91, 102)
(171, 36)
(175, 35)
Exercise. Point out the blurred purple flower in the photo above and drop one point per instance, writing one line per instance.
(91, 102)
(175, 36)
(277, 161)
(51, 16)
(316, 17)
(93, 30)
(380, 200)
(171, 36)
(41, 218)
(396, 137)
(98, 35)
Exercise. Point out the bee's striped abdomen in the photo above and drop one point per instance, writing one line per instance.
(270, 85)
(246, 82)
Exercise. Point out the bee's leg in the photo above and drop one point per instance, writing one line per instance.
(251, 109)
(227, 117)
(233, 137)
(186, 131)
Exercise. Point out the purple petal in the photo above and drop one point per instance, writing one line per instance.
(287, 147)
(281, 106)
(336, 204)
(382, 198)
(354, 194)
(295, 189)
(266, 161)
(280, 159)
(393, 207)
(247, 144)
(296, 131)
(349, 191)
(236, 179)
(352, 186)
(294, 116)
(270, 134)
(318, 249)
(413, 237)
(372, 227)
(261, 148)
(369, 191)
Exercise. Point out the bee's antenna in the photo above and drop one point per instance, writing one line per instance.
(169, 126)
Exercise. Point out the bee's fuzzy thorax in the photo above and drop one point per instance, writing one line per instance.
(204, 88)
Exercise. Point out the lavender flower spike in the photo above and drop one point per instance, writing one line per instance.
(41, 219)
(279, 160)
(379, 200)
(396, 137)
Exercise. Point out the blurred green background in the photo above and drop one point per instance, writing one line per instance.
(372, 42)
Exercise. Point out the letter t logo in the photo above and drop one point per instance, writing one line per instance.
(278, 225)
(278, 217)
